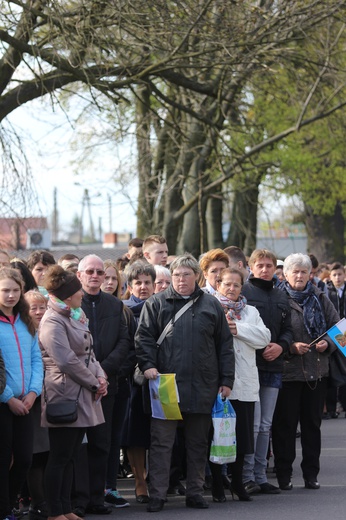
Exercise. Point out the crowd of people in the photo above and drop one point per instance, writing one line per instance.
(81, 338)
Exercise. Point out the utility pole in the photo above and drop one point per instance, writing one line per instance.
(55, 217)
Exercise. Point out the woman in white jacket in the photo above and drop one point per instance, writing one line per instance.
(249, 334)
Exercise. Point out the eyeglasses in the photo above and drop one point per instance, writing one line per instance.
(99, 272)
(176, 276)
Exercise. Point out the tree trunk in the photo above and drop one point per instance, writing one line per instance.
(326, 235)
(243, 227)
(214, 221)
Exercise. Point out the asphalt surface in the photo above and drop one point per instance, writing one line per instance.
(327, 503)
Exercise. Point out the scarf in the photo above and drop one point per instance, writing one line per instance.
(233, 309)
(75, 314)
(313, 313)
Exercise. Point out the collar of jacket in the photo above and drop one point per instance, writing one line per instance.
(89, 298)
(171, 294)
(266, 285)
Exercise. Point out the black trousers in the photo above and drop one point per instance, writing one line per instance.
(196, 428)
(303, 402)
(16, 444)
(91, 465)
(64, 445)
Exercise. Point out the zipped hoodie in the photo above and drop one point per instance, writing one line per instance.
(22, 357)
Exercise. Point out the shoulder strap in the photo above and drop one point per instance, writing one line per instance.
(176, 317)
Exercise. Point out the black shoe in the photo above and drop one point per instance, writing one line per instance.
(285, 485)
(311, 484)
(220, 499)
(197, 502)
(79, 511)
(334, 415)
(326, 415)
(241, 493)
(251, 487)
(98, 509)
(155, 505)
(269, 489)
(142, 499)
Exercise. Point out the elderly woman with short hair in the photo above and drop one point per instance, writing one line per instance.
(306, 369)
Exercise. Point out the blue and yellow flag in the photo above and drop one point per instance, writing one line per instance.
(164, 397)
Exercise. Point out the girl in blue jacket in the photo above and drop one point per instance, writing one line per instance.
(24, 375)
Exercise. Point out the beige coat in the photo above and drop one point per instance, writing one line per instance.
(65, 345)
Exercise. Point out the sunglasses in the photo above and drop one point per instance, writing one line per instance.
(99, 272)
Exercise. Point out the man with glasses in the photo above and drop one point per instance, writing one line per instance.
(198, 348)
(111, 345)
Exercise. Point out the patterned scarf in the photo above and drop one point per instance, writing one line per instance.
(75, 314)
(233, 308)
(313, 313)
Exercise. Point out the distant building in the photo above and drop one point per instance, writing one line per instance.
(25, 233)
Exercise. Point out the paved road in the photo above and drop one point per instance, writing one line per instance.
(327, 503)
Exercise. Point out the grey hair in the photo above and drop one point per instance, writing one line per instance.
(187, 261)
(162, 271)
(133, 271)
(297, 259)
(82, 263)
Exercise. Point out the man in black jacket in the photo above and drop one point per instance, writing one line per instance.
(275, 312)
(111, 344)
(199, 349)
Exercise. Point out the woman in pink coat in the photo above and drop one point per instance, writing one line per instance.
(71, 372)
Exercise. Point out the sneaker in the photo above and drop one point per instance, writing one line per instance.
(113, 498)
(252, 487)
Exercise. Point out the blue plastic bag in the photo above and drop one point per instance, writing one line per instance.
(224, 446)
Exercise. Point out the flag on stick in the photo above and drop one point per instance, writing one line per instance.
(338, 335)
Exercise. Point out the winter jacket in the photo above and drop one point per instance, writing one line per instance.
(107, 325)
(313, 365)
(66, 345)
(198, 348)
(22, 358)
(2, 374)
(274, 309)
(251, 335)
(339, 304)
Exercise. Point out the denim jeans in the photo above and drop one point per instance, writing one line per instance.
(255, 464)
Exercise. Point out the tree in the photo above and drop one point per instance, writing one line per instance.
(192, 68)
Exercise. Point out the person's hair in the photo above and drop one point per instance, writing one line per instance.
(186, 260)
(122, 262)
(153, 239)
(29, 280)
(337, 265)
(82, 263)
(22, 307)
(133, 271)
(111, 263)
(138, 255)
(36, 296)
(136, 242)
(297, 259)
(214, 255)
(235, 254)
(67, 257)
(61, 283)
(42, 256)
(259, 254)
(230, 270)
(314, 261)
(160, 270)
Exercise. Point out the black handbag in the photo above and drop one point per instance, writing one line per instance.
(337, 369)
(64, 412)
